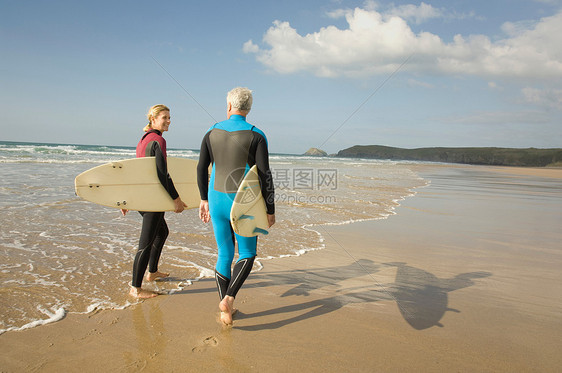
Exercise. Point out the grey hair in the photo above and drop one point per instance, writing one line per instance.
(240, 98)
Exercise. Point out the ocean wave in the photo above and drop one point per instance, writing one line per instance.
(72, 154)
(53, 316)
(51, 235)
(63, 149)
(56, 161)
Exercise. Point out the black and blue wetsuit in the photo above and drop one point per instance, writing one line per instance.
(154, 228)
(232, 147)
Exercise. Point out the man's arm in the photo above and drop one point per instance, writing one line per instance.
(203, 169)
(264, 173)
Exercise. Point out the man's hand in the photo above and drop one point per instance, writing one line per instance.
(204, 214)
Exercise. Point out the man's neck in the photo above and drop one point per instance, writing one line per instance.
(237, 112)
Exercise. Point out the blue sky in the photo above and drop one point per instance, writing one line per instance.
(328, 74)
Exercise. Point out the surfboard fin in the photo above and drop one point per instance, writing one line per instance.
(261, 231)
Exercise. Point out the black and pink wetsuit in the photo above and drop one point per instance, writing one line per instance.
(154, 228)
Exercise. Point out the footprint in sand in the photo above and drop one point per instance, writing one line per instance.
(90, 333)
(207, 342)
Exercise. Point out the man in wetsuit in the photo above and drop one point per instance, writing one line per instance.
(232, 147)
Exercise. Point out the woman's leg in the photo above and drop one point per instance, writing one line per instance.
(150, 224)
(156, 251)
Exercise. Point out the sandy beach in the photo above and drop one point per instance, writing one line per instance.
(464, 277)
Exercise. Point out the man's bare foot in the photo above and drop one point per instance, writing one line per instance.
(156, 275)
(226, 307)
(225, 321)
(141, 293)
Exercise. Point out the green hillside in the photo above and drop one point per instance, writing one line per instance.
(530, 157)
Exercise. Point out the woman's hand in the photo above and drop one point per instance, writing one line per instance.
(270, 219)
(179, 205)
(204, 214)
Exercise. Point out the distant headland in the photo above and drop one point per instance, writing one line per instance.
(529, 157)
(315, 152)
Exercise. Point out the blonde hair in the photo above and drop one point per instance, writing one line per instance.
(153, 113)
(240, 98)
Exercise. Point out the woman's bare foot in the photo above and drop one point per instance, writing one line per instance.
(156, 275)
(226, 307)
(141, 293)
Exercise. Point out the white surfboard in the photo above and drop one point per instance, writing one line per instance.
(248, 215)
(133, 184)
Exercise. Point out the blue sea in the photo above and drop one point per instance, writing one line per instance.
(61, 254)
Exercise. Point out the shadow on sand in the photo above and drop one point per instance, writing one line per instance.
(422, 297)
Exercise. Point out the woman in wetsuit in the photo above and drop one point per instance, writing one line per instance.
(154, 229)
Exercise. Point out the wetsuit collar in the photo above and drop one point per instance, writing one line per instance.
(152, 131)
(237, 117)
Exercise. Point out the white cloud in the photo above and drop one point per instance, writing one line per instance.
(250, 47)
(375, 43)
(549, 2)
(418, 14)
(548, 98)
(423, 13)
(418, 83)
(515, 29)
(498, 118)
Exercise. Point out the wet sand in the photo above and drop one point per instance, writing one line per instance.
(465, 277)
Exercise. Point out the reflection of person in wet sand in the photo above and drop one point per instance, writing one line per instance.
(150, 334)
(421, 296)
